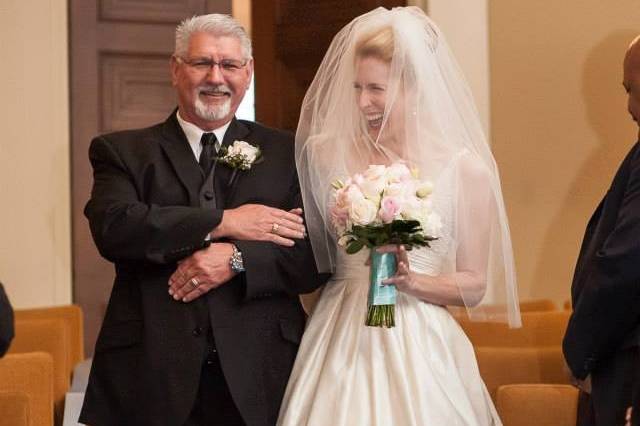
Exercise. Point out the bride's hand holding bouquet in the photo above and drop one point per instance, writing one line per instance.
(384, 205)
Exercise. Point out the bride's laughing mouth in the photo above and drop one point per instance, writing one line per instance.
(374, 121)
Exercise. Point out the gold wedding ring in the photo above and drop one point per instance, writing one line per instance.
(274, 228)
(194, 282)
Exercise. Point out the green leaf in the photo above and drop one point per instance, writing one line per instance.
(355, 246)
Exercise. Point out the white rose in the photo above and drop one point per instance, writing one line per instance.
(431, 225)
(398, 172)
(362, 212)
(372, 189)
(245, 149)
(413, 209)
(352, 194)
(400, 189)
(375, 172)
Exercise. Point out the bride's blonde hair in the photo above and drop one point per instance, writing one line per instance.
(378, 44)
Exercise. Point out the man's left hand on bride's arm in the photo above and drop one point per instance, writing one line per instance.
(201, 272)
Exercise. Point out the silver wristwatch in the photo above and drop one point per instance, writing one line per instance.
(237, 265)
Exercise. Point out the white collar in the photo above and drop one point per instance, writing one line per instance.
(194, 133)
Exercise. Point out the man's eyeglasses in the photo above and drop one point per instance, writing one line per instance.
(204, 65)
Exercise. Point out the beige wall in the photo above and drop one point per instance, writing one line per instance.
(559, 124)
(241, 10)
(35, 234)
(466, 26)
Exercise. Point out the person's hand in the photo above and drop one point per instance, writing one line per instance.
(627, 416)
(583, 385)
(202, 271)
(255, 222)
(404, 279)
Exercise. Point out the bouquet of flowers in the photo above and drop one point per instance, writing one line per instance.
(383, 205)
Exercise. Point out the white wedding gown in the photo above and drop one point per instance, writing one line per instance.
(421, 372)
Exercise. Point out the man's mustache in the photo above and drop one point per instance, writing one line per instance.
(215, 89)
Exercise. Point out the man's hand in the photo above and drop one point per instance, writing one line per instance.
(583, 385)
(201, 272)
(255, 222)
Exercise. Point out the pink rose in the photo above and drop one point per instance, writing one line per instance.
(389, 209)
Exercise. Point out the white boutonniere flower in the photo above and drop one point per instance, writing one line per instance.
(240, 155)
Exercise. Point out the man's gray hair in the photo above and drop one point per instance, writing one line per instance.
(215, 24)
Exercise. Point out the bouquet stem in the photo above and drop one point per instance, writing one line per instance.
(382, 298)
(381, 316)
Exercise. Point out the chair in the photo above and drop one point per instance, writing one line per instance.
(72, 317)
(539, 405)
(537, 305)
(29, 375)
(14, 407)
(538, 329)
(502, 366)
(50, 336)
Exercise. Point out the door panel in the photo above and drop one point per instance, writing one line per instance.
(120, 79)
(290, 39)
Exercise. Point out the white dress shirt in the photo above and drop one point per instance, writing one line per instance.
(194, 133)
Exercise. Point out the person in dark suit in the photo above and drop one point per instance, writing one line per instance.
(603, 334)
(6, 322)
(204, 320)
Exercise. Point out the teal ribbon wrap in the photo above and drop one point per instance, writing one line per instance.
(383, 266)
(382, 298)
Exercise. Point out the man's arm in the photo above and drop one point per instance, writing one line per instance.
(6, 322)
(608, 308)
(126, 228)
(270, 267)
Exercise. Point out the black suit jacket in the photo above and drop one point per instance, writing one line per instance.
(6, 322)
(151, 206)
(606, 284)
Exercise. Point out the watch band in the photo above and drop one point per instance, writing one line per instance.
(236, 262)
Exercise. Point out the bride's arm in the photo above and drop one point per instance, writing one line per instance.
(441, 289)
(474, 214)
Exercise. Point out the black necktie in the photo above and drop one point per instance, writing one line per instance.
(208, 142)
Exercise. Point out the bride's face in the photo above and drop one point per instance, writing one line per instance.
(371, 87)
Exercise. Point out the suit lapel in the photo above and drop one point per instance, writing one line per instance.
(236, 131)
(177, 148)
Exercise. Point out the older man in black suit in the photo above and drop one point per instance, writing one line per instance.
(603, 335)
(6, 322)
(209, 246)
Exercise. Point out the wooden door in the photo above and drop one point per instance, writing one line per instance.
(119, 58)
(290, 38)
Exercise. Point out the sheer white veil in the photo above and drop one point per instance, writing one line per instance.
(429, 120)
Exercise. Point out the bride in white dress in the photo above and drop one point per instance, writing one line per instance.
(388, 89)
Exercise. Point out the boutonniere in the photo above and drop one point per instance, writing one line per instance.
(240, 155)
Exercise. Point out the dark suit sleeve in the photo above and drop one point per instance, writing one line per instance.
(6, 322)
(126, 228)
(271, 268)
(608, 307)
